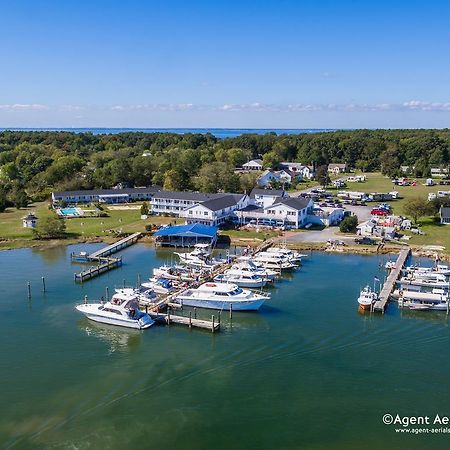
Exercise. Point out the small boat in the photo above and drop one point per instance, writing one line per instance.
(122, 310)
(222, 296)
(367, 298)
(159, 285)
(246, 264)
(145, 296)
(200, 252)
(177, 273)
(274, 261)
(241, 278)
(390, 265)
(291, 255)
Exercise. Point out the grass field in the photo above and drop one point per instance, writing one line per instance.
(78, 228)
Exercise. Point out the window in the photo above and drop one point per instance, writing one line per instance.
(205, 213)
(190, 211)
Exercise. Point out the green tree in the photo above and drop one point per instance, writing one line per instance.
(271, 160)
(50, 228)
(144, 209)
(19, 198)
(322, 176)
(349, 224)
(418, 207)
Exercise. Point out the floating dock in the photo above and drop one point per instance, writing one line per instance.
(190, 321)
(389, 284)
(103, 258)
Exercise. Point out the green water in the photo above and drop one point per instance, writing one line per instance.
(307, 371)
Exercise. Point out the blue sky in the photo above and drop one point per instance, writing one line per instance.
(280, 64)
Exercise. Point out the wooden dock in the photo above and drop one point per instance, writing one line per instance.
(119, 245)
(105, 265)
(389, 284)
(103, 258)
(191, 322)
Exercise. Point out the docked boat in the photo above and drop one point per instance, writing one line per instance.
(274, 261)
(161, 286)
(440, 269)
(122, 310)
(426, 303)
(291, 255)
(246, 264)
(435, 281)
(222, 296)
(200, 252)
(241, 278)
(367, 297)
(182, 273)
(144, 295)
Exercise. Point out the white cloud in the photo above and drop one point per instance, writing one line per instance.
(24, 107)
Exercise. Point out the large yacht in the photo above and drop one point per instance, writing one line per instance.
(291, 255)
(241, 278)
(222, 296)
(201, 252)
(122, 310)
(274, 261)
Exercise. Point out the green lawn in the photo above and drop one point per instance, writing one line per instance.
(87, 227)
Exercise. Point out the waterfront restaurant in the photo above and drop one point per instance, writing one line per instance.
(186, 235)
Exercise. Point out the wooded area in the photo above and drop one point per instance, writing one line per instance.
(32, 164)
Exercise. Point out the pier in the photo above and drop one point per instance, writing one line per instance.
(192, 322)
(389, 284)
(103, 258)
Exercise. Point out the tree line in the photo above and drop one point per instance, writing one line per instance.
(33, 164)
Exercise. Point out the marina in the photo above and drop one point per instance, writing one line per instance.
(291, 340)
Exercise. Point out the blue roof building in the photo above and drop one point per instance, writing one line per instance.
(187, 235)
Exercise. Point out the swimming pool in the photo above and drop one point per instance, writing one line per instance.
(70, 212)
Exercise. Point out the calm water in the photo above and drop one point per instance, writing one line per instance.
(218, 132)
(308, 371)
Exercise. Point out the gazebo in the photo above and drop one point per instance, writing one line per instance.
(186, 235)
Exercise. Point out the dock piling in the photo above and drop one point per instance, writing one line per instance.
(29, 289)
(107, 293)
(212, 327)
(43, 284)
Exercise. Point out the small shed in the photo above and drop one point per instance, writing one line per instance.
(29, 221)
(187, 235)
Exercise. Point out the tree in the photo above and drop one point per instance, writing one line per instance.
(144, 209)
(3, 201)
(322, 176)
(19, 198)
(418, 207)
(49, 228)
(349, 224)
(271, 160)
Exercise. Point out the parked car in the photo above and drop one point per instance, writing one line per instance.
(365, 241)
(378, 212)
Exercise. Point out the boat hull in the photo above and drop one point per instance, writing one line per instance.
(140, 324)
(250, 305)
(242, 283)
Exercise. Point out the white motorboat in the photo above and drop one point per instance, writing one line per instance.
(145, 295)
(222, 296)
(200, 252)
(182, 273)
(247, 264)
(424, 301)
(436, 281)
(291, 255)
(122, 310)
(241, 278)
(159, 285)
(367, 297)
(274, 261)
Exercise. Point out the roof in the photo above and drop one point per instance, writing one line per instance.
(145, 190)
(186, 195)
(297, 203)
(192, 230)
(253, 162)
(249, 208)
(445, 211)
(268, 192)
(340, 165)
(219, 203)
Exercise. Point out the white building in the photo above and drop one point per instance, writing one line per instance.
(305, 172)
(105, 195)
(254, 164)
(266, 197)
(367, 228)
(29, 221)
(290, 212)
(439, 172)
(215, 211)
(337, 168)
(444, 214)
(327, 216)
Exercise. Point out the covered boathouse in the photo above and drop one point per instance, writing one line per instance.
(186, 235)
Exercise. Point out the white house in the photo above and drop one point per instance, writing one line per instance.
(266, 197)
(367, 228)
(306, 172)
(215, 211)
(29, 221)
(267, 177)
(283, 176)
(327, 216)
(254, 164)
(337, 168)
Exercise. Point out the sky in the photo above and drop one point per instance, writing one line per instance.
(226, 64)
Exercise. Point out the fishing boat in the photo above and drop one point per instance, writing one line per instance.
(122, 310)
(367, 297)
(159, 285)
(144, 295)
(177, 273)
(201, 252)
(241, 278)
(222, 296)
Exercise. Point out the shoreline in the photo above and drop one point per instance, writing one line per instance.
(369, 250)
